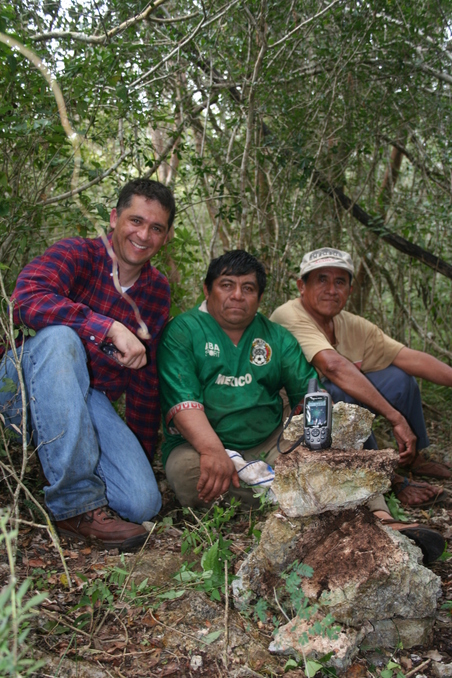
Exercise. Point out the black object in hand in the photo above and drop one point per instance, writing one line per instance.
(109, 349)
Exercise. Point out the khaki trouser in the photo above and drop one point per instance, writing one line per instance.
(183, 472)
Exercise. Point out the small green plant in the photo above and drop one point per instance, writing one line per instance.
(395, 508)
(392, 668)
(16, 613)
(208, 527)
(447, 606)
(260, 610)
(211, 579)
(301, 608)
(96, 595)
(206, 536)
(102, 595)
(312, 666)
(446, 554)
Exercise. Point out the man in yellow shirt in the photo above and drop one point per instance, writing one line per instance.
(359, 363)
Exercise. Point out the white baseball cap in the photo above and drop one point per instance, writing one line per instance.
(326, 256)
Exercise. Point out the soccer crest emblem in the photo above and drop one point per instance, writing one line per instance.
(261, 352)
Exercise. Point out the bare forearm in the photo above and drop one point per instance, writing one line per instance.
(216, 469)
(353, 382)
(424, 366)
(194, 426)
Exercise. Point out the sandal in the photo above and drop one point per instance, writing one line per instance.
(422, 466)
(405, 484)
(431, 543)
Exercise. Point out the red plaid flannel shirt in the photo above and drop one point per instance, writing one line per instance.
(72, 284)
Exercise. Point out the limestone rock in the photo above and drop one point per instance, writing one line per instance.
(309, 482)
(288, 641)
(352, 425)
(391, 632)
(362, 570)
(442, 670)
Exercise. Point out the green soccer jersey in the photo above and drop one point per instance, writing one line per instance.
(236, 386)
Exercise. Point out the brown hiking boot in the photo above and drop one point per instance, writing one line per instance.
(105, 526)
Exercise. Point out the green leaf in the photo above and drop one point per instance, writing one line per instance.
(209, 560)
(392, 665)
(9, 386)
(290, 664)
(312, 667)
(121, 91)
(188, 575)
(171, 595)
(260, 609)
(55, 628)
(82, 576)
(212, 636)
(103, 213)
(143, 584)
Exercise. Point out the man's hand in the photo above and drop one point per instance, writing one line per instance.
(217, 474)
(217, 471)
(132, 351)
(406, 440)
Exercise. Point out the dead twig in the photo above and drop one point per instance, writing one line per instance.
(418, 668)
(226, 616)
(173, 628)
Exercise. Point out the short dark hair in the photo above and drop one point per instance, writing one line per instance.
(152, 190)
(236, 262)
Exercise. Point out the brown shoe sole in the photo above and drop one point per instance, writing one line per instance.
(130, 544)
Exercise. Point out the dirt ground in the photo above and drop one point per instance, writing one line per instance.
(106, 625)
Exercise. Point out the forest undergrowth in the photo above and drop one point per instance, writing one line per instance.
(101, 613)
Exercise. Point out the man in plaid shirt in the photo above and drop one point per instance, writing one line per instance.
(85, 354)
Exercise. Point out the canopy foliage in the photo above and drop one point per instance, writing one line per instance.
(252, 111)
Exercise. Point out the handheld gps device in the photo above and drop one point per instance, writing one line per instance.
(317, 417)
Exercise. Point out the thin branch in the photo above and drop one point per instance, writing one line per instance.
(98, 39)
(376, 225)
(418, 668)
(434, 176)
(414, 324)
(190, 37)
(173, 628)
(58, 617)
(173, 20)
(83, 187)
(202, 24)
(303, 23)
(201, 525)
(226, 616)
(281, 609)
(49, 526)
(445, 77)
(249, 128)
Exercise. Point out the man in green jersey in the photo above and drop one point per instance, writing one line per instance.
(221, 368)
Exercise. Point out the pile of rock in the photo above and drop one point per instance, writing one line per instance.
(370, 578)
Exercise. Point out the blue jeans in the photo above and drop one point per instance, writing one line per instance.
(401, 391)
(89, 455)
